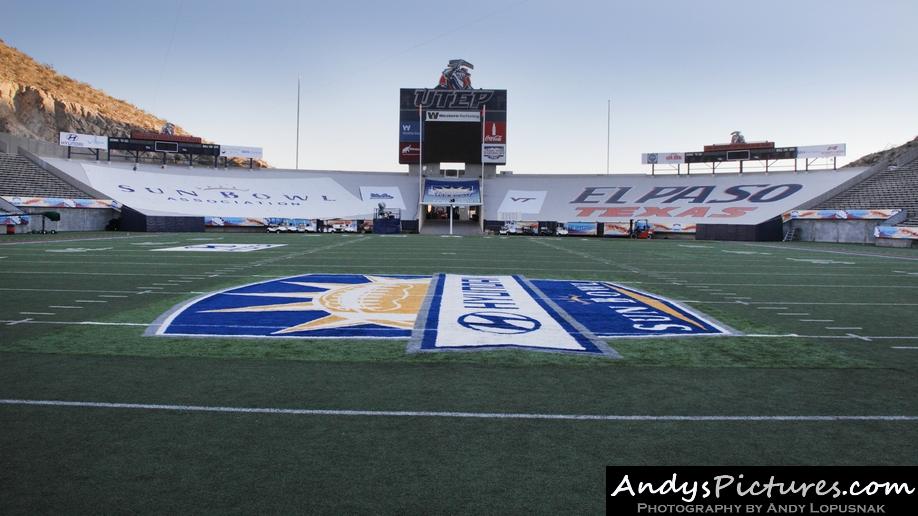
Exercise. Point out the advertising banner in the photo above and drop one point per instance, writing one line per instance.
(522, 201)
(581, 228)
(495, 132)
(494, 153)
(235, 151)
(452, 116)
(662, 158)
(391, 196)
(839, 214)
(57, 202)
(443, 193)
(85, 141)
(613, 229)
(908, 232)
(188, 193)
(821, 151)
(409, 131)
(409, 152)
(675, 227)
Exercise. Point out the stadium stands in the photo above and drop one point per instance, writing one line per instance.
(21, 177)
(895, 187)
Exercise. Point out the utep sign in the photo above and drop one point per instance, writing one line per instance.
(445, 312)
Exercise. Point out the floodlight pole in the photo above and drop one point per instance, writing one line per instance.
(297, 165)
(451, 218)
(608, 134)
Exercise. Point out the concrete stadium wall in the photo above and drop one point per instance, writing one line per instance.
(10, 143)
(72, 219)
(837, 231)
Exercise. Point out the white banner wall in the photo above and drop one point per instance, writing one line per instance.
(670, 199)
(191, 193)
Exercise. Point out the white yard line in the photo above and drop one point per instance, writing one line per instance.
(451, 414)
(846, 253)
(65, 306)
(37, 313)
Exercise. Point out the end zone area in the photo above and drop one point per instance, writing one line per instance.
(823, 373)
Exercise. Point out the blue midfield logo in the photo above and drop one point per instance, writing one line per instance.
(438, 313)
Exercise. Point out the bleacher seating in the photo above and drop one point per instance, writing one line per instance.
(895, 187)
(20, 177)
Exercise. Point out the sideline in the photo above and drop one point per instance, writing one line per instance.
(443, 414)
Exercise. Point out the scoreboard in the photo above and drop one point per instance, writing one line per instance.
(441, 125)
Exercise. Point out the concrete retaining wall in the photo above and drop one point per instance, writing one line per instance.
(72, 219)
(839, 231)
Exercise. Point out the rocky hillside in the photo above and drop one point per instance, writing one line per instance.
(890, 154)
(37, 102)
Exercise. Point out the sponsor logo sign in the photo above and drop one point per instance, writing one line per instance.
(409, 131)
(86, 141)
(495, 132)
(446, 312)
(409, 152)
(391, 196)
(493, 153)
(662, 158)
(235, 151)
(821, 151)
(452, 116)
(222, 248)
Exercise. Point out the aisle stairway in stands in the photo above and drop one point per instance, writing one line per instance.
(21, 178)
(895, 187)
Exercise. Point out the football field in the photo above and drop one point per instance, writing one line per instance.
(95, 416)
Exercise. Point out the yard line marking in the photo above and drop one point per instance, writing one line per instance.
(83, 323)
(794, 248)
(75, 240)
(110, 295)
(844, 328)
(904, 347)
(64, 306)
(151, 288)
(445, 414)
(771, 308)
(89, 301)
(806, 303)
(817, 320)
(37, 313)
(846, 336)
(794, 313)
(13, 323)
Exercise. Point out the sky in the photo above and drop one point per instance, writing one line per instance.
(679, 74)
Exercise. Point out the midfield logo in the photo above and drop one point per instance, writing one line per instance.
(446, 312)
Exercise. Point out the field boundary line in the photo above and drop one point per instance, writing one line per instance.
(449, 414)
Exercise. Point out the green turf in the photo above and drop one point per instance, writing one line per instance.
(103, 460)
